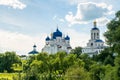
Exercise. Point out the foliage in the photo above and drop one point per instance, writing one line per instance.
(76, 73)
(113, 33)
(105, 57)
(7, 60)
(97, 72)
(63, 66)
(77, 50)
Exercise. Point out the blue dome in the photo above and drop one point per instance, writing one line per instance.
(98, 40)
(95, 28)
(67, 38)
(57, 34)
(33, 52)
(47, 39)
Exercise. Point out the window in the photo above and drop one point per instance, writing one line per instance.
(91, 44)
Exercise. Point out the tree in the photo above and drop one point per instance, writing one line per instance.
(87, 61)
(58, 62)
(77, 50)
(43, 57)
(117, 68)
(97, 72)
(7, 60)
(109, 73)
(113, 33)
(105, 57)
(1, 62)
(109, 60)
(76, 73)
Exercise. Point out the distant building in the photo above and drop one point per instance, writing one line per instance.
(95, 44)
(57, 42)
(23, 57)
(34, 51)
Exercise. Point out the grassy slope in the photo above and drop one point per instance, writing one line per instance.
(8, 76)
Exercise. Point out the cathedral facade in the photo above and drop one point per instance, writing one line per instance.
(95, 44)
(57, 42)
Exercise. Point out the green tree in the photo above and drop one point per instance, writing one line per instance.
(87, 61)
(77, 50)
(8, 59)
(97, 72)
(109, 73)
(105, 57)
(39, 66)
(113, 33)
(117, 68)
(57, 62)
(76, 73)
(1, 62)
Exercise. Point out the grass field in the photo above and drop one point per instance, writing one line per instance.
(9, 76)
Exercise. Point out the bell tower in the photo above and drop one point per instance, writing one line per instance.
(95, 32)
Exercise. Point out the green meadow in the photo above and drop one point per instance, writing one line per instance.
(8, 76)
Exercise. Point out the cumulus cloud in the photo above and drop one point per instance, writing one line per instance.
(77, 38)
(102, 21)
(76, 1)
(57, 18)
(16, 4)
(61, 20)
(87, 12)
(11, 21)
(20, 43)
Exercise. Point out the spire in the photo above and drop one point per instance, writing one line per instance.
(34, 47)
(95, 23)
(57, 28)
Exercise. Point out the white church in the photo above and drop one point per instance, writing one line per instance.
(95, 44)
(57, 42)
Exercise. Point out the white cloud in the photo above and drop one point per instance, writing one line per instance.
(20, 43)
(76, 1)
(77, 38)
(59, 19)
(102, 21)
(54, 17)
(88, 11)
(12, 20)
(16, 4)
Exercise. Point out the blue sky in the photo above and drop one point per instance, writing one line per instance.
(27, 22)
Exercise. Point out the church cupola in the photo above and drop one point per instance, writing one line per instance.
(57, 34)
(95, 26)
(34, 50)
(95, 32)
(47, 39)
(67, 38)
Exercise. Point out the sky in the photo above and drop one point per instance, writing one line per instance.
(24, 23)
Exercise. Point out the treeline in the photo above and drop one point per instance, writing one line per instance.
(63, 66)
(7, 60)
(72, 66)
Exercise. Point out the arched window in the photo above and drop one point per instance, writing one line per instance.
(91, 44)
